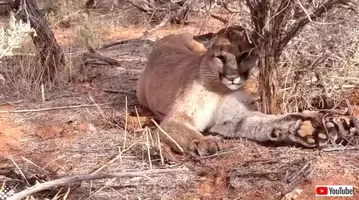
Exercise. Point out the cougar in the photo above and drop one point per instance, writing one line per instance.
(194, 90)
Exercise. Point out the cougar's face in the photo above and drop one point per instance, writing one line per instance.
(232, 66)
(230, 58)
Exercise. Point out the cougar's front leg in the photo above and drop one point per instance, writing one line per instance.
(300, 128)
(180, 134)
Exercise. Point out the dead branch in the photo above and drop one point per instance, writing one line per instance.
(341, 149)
(163, 12)
(143, 8)
(259, 174)
(86, 177)
(304, 170)
(100, 57)
(224, 21)
(105, 46)
(160, 25)
(53, 108)
(329, 4)
(226, 6)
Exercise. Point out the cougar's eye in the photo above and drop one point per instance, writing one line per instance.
(222, 58)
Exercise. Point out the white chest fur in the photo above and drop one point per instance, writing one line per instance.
(201, 106)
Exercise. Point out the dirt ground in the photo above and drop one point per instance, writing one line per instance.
(44, 145)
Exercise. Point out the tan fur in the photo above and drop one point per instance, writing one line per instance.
(184, 89)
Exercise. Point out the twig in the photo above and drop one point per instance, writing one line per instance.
(224, 21)
(99, 57)
(103, 187)
(160, 25)
(145, 10)
(85, 177)
(43, 93)
(17, 167)
(164, 132)
(148, 147)
(340, 149)
(67, 17)
(57, 194)
(54, 108)
(52, 161)
(160, 148)
(67, 193)
(126, 123)
(258, 174)
(305, 19)
(109, 162)
(219, 153)
(138, 118)
(305, 10)
(118, 156)
(105, 46)
(225, 6)
(293, 178)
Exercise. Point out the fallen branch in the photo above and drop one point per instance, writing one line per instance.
(340, 149)
(99, 57)
(105, 46)
(259, 174)
(53, 108)
(221, 19)
(301, 172)
(142, 8)
(86, 177)
(225, 6)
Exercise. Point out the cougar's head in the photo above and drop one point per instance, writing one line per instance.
(230, 58)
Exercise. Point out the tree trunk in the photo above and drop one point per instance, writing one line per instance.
(268, 78)
(49, 52)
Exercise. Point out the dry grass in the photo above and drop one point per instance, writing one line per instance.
(321, 62)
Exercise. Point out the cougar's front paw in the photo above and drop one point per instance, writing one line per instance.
(304, 128)
(209, 145)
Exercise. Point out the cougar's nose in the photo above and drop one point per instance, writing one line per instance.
(231, 77)
(234, 79)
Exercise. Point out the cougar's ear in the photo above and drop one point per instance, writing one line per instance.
(206, 39)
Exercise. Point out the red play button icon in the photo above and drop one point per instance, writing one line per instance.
(322, 190)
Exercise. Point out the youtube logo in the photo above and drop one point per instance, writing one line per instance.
(321, 190)
(334, 190)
